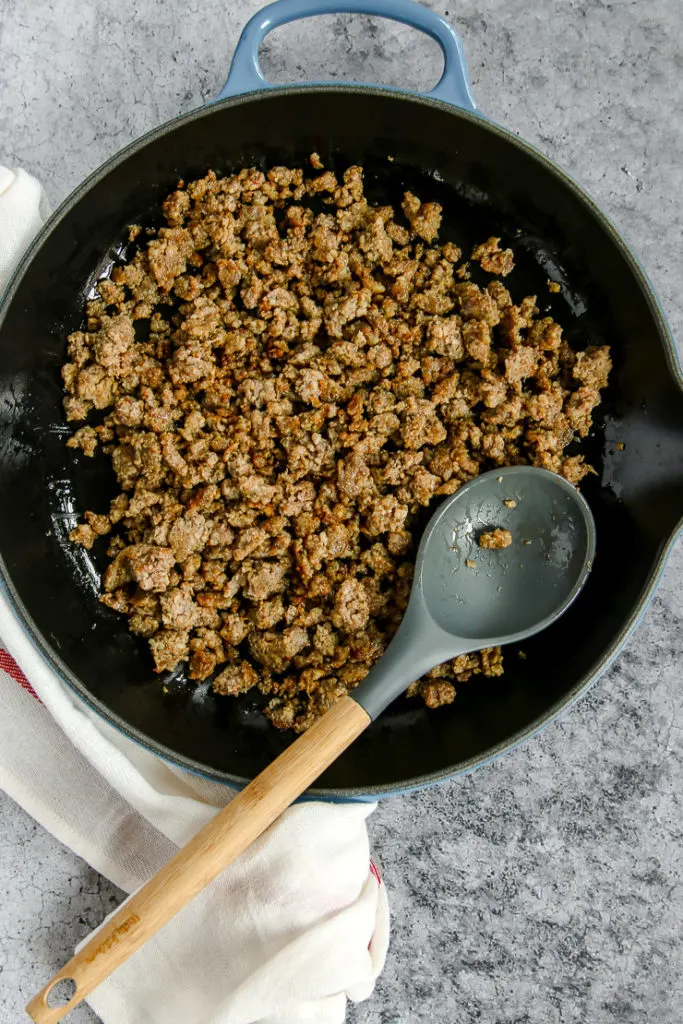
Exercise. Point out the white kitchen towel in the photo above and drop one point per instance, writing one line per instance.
(285, 935)
(23, 208)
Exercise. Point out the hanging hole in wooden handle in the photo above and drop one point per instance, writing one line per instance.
(61, 993)
(55, 1001)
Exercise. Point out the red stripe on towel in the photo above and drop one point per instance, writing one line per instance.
(9, 665)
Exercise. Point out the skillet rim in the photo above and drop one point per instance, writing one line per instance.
(415, 783)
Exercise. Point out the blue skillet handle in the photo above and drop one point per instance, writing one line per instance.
(245, 73)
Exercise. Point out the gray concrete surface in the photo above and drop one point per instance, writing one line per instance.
(547, 887)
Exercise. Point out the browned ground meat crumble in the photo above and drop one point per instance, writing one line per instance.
(284, 391)
(495, 539)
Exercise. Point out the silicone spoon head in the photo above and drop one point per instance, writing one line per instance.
(466, 596)
(495, 596)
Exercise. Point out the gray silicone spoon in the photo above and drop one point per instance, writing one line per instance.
(463, 598)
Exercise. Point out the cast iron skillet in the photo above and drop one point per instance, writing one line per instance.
(489, 182)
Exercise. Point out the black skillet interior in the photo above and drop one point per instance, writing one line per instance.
(489, 184)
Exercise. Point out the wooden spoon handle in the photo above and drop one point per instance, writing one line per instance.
(196, 864)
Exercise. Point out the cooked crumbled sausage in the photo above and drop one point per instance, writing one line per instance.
(592, 367)
(494, 259)
(286, 377)
(351, 607)
(495, 539)
(235, 679)
(491, 661)
(83, 535)
(438, 693)
(169, 647)
(424, 218)
(86, 439)
(178, 610)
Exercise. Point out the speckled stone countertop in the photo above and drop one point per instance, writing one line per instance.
(546, 888)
